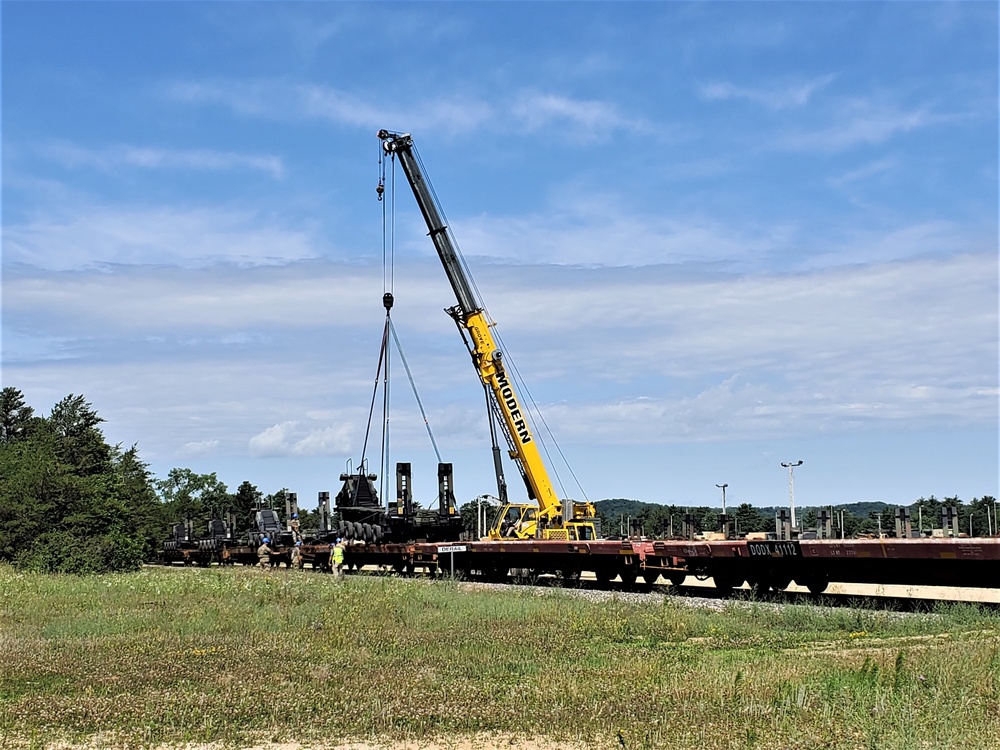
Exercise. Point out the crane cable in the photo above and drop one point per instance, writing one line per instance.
(388, 279)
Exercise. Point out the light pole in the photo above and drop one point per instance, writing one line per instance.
(723, 488)
(791, 487)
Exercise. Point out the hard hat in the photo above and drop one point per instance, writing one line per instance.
(338, 540)
(295, 515)
(265, 540)
(298, 544)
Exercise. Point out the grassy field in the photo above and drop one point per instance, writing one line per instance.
(240, 657)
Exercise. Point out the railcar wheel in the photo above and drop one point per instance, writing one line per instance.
(628, 577)
(570, 577)
(781, 582)
(724, 583)
(604, 575)
(650, 577)
(677, 579)
(816, 584)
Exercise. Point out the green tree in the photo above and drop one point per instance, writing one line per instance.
(81, 443)
(245, 503)
(69, 502)
(747, 518)
(15, 415)
(195, 497)
(144, 518)
(469, 510)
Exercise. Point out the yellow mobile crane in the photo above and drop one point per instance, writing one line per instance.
(551, 518)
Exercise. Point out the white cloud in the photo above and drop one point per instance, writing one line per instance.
(580, 229)
(523, 110)
(87, 236)
(141, 157)
(866, 172)
(861, 122)
(776, 96)
(591, 117)
(613, 354)
(287, 439)
(198, 448)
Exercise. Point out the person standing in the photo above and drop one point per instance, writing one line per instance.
(295, 558)
(338, 558)
(293, 526)
(264, 553)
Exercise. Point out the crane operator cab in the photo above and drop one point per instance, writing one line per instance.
(523, 521)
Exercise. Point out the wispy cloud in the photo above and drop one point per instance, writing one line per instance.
(519, 110)
(94, 235)
(201, 160)
(594, 117)
(862, 121)
(875, 168)
(899, 343)
(776, 96)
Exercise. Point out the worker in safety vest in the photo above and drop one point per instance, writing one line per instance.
(338, 558)
(264, 553)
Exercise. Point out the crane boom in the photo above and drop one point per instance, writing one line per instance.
(487, 357)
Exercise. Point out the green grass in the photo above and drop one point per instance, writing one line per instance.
(239, 657)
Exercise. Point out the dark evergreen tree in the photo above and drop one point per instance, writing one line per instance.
(69, 502)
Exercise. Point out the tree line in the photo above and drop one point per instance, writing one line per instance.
(70, 502)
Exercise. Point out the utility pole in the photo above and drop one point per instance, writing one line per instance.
(723, 488)
(791, 487)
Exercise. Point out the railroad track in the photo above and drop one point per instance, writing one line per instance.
(865, 596)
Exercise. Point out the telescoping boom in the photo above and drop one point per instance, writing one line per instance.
(547, 520)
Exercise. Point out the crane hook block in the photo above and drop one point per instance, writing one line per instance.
(387, 300)
(379, 190)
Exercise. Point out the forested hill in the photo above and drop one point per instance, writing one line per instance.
(614, 507)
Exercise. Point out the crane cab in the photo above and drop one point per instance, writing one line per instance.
(523, 521)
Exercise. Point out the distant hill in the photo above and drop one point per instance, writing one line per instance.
(614, 507)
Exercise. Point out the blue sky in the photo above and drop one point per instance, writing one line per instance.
(714, 237)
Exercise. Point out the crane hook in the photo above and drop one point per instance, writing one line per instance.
(380, 190)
